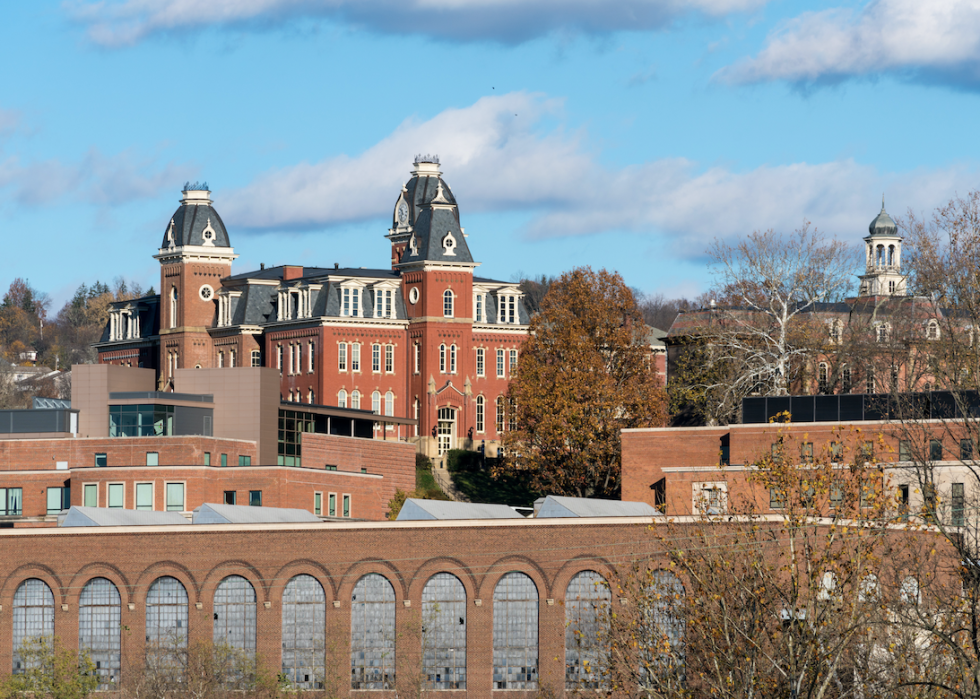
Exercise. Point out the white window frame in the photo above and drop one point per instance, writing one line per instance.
(418, 356)
(481, 361)
(389, 403)
(389, 359)
(375, 357)
(479, 308)
(312, 362)
(355, 399)
(452, 359)
(341, 398)
(500, 363)
(350, 301)
(442, 359)
(342, 356)
(108, 494)
(166, 495)
(376, 402)
(93, 485)
(136, 499)
(698, 490)
(355, 357)
(481, 414)
(448, 304)
(512, 362)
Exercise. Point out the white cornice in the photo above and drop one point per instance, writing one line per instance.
(196, 253)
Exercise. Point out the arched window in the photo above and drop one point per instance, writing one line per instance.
(891, 255)
(822, 383)
(932, 331)
(166, 623)
(444, 633)
(501, 414)
(311, 397)
(481, 409)
(376, 402)
(587, 603)
(304, 615)
(389, 403)
(442, 359)
(869, 381)
(452, 359)
(662, 658)
(355, 400)
(880, 256)
(845, 379)
(372, 633)
(910, 591)
(512, 415)
(99, 615)
(447, 304)
(515, 633)
(342, 398)
(173, 307)
(868, 590)
(234, 614)
(33, 617)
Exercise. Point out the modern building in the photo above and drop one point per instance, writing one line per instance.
(422, 339)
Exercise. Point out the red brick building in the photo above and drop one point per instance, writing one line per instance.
(425, 339)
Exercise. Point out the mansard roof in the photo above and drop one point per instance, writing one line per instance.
(196, 222)
(432, 223)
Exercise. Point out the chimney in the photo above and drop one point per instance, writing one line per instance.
(336, 265)
(291, 272)
(262, 265)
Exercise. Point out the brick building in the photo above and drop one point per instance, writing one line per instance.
(425, 339)
(219, 436)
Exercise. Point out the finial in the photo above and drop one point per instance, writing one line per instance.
(882, 201)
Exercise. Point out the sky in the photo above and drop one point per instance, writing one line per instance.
(626, 134)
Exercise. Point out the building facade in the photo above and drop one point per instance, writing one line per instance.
(425, 339)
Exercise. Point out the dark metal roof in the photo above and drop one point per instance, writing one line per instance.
(883, 224)
(189, 223)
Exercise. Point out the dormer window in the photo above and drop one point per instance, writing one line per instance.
(479, 308)
(295, 303)
(932, 330)
(350, 302)
(384, 303)
(507, 312)
(881, 332)
(835, 332)
(449, 244)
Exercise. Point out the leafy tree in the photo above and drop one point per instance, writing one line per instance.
(584, 374)
(51, 670)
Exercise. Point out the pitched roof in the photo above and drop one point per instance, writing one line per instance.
(106, 517)
(213, 513)
(415, 509)
(560, 506)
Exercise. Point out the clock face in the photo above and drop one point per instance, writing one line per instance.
(403, 213)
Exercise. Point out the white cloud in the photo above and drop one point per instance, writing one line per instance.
(122, 22)
(498, 157)
(9, 121)
(916, 39)
(96, 178)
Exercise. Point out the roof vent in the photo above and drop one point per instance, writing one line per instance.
(336, 265)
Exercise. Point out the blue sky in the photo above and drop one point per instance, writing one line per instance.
(625, 135)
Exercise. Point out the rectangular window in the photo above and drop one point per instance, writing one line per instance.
(101, 461)
(175, 497)
(480, 413)
(58, 499)
(442, 359)
(512, 365)
(355, 356)
(836, 494)
(207, 458)
(244, 460)
(255, 498)
(90, 495)
(905, 450)
(481, 356)
(935, 450)
(279, 358)
(390, 359)
(903, 502)
(836, 452)
(144, 496)
(347, 506)
(342, 356)
(11, 501)
(231, 497)
(256, 358)
(417, 352)
(957, 519)
(966, 450)
(116, 493)
(868, 451)
(152, 458)
(776, 448)
(777, 499)
(231, 359)
(376, 357)
(806, 452)
(478, 308)
(500, 364)
(224, 460)
(299, 358)
(312, 366)
(332, 505)
(929, 501)
(318, 504)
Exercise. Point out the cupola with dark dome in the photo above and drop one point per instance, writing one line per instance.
(425, 221)
(196, 222)
(883, 224)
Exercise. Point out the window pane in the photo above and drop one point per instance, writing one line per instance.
(33, 616)
(372, 646)
(444, 633)
(255, 498)
(116, 495)
(90, 495)
(152, 458)
(515, 633)
(144, 496)
(166, 624)
(587, 603)
(175, 497)
(304, 611)
(99, 616)
(234, 613)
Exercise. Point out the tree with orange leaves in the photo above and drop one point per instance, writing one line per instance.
(584, 374)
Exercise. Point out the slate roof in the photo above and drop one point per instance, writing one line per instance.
(105, 517)
(190, 220)
(212, 513)
(148, 308)
(560, 506)
(415, 509)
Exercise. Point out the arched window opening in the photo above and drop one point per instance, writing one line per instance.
(389, 403)
(880, 255)
(173, 307)
(304, 647)
(891, 255)
(376, 402)
(481, 409)
(587, 607)
(33, 617)
(868, 590)
(822, 382)
(444, 633)
(234, 614)
(845, 379)
(515, 633)
(166, 624)
(355, 400)
(501, 414)
(442, 359)
(372, 643)
(662, 657)
(342, 398)
(99, 615)
(452, 359)
(447, 304)
(910, 591)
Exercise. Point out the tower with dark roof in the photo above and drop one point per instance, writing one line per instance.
(194, 256)
(883, 258)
